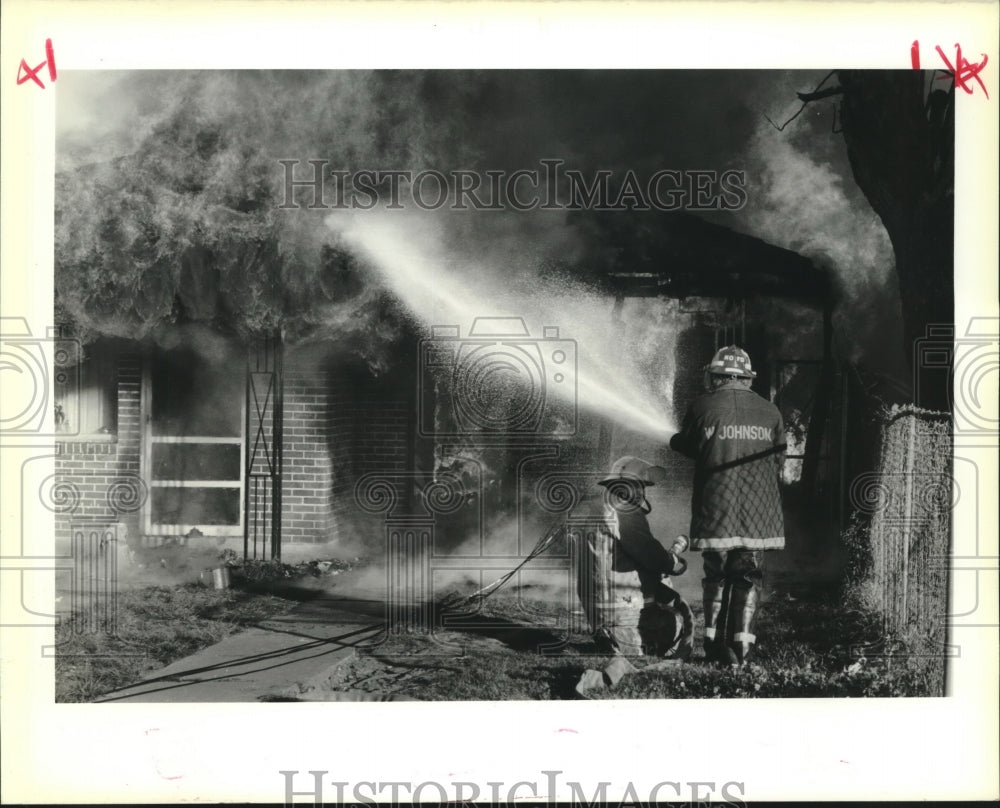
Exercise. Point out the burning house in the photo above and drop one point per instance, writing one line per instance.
(251, 367)
(206, 440)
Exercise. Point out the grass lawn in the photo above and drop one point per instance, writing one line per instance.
(804, 652)
(516, 647)
(155, 626)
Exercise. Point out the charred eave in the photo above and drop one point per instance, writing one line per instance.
(640, 254)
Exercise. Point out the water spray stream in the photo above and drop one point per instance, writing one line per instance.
(606, 382)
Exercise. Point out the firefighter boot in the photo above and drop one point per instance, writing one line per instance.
(742, 609)
(713, 593)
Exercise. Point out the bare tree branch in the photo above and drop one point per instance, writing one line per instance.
(806, 98)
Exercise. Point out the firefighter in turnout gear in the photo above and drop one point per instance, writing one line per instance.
(621, 568)
(737, 440)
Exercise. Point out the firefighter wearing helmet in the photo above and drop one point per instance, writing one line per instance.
(737, 440)
(621, 569)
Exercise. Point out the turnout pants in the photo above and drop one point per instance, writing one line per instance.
(731, 589)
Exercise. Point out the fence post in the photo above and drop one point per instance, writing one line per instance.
(907, 519)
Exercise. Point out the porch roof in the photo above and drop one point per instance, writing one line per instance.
(681, 255)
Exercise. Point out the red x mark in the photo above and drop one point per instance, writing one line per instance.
(961, 72)
(964, 69)
(25, 72)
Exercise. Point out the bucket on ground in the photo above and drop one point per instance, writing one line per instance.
(219, 577)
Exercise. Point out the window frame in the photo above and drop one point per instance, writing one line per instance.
(149, 528)
(96, 376)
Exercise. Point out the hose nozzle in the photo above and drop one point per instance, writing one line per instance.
(680, 544)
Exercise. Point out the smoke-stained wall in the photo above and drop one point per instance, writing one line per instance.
(343, 421)
(371, 432)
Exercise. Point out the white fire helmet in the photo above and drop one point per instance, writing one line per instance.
(633, 469)
(731, 361)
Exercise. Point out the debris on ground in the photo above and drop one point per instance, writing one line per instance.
(617, 669)
(261, 571)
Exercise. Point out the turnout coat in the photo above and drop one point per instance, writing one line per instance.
(737, 440)
(619, 564)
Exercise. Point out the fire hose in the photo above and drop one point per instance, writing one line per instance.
(457, 601)
(543, 544)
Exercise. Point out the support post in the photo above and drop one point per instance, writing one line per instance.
(821, 406)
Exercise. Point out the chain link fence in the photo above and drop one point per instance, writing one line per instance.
(908, 503)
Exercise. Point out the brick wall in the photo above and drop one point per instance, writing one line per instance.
(340, 423)
(371, 434)
(99, 480)
(307, 470)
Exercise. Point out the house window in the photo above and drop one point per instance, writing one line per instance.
(86, 395)
(193, 454)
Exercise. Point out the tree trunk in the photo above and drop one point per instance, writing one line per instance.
(900, 142)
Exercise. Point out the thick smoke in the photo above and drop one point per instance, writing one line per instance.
(802, 197)
(178, 161)
(169, 210)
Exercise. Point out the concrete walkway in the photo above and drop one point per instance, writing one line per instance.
(263, 662)
(268, 661)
